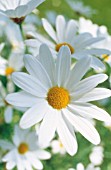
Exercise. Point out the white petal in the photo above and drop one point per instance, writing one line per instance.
(87, 84)
(34, 161)
(90, 111)
(84, 127)
(8, 114)
(49, 29)
(42, 155)
(33, 115)
(10, 165)
(6, 145)
(48, 127)
(41, 39)
(66, 137)
(33, 4)
(71, 30)
(60, 28)
(96, 94)
(21, 99)
(78, 71)
(35, 68)
(97, 64)
(46, 59)
(29, 84)
(63, 65)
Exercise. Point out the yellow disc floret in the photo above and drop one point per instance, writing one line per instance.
(9, 71)
(105, 57)
(58, 97)
(23, 148)
(58, 46)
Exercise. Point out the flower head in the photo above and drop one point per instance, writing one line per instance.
(66, 33)
(59, 98)
(18, 9)
(24, 152)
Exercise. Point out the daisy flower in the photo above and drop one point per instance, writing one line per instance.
(8, 109)
(57, 147)
(96, 156)
(18, 9)
(80, 9)
(24, 152)
(58, 96)
(86, 25)
(13, 63)
(80, 45)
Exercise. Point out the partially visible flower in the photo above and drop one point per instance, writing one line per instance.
(56, 96)
(80, 8)
(86, 25)
(66, 33)
(12, 64)
(8, 109)
(96, 156)
(58, 147)
(92, 167)
(80, 166)
(24, 152)
(17, 10)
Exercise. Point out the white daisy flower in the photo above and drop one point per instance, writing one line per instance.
(92, 167)
(24, 152)
(8, 109)
(57, 147)
(18, 9)
(80, 9)
(97, 31)
(58, 96)
(96, 156)
(86, 25)
(66, 34)
(13, 63)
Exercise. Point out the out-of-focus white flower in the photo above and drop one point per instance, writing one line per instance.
(58, 96)
(92, 167)
(80, 8)
(12, 64)
(97, 31)
(80, 166)
(58, 147)
(86, 25)
(8, 109)
(17, 10)
(24, 152)
(96, 156)
(80, 45)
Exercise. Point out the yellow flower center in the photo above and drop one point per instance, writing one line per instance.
(23, 148)
(105, 57)
(61, 145)
(58, 97)
(58, 46)
(9, 71)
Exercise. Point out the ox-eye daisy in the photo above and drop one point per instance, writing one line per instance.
(24, 152)
(66, 33)
(57, 95)
(18, 9)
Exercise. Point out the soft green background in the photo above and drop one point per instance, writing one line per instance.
(103, 7)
